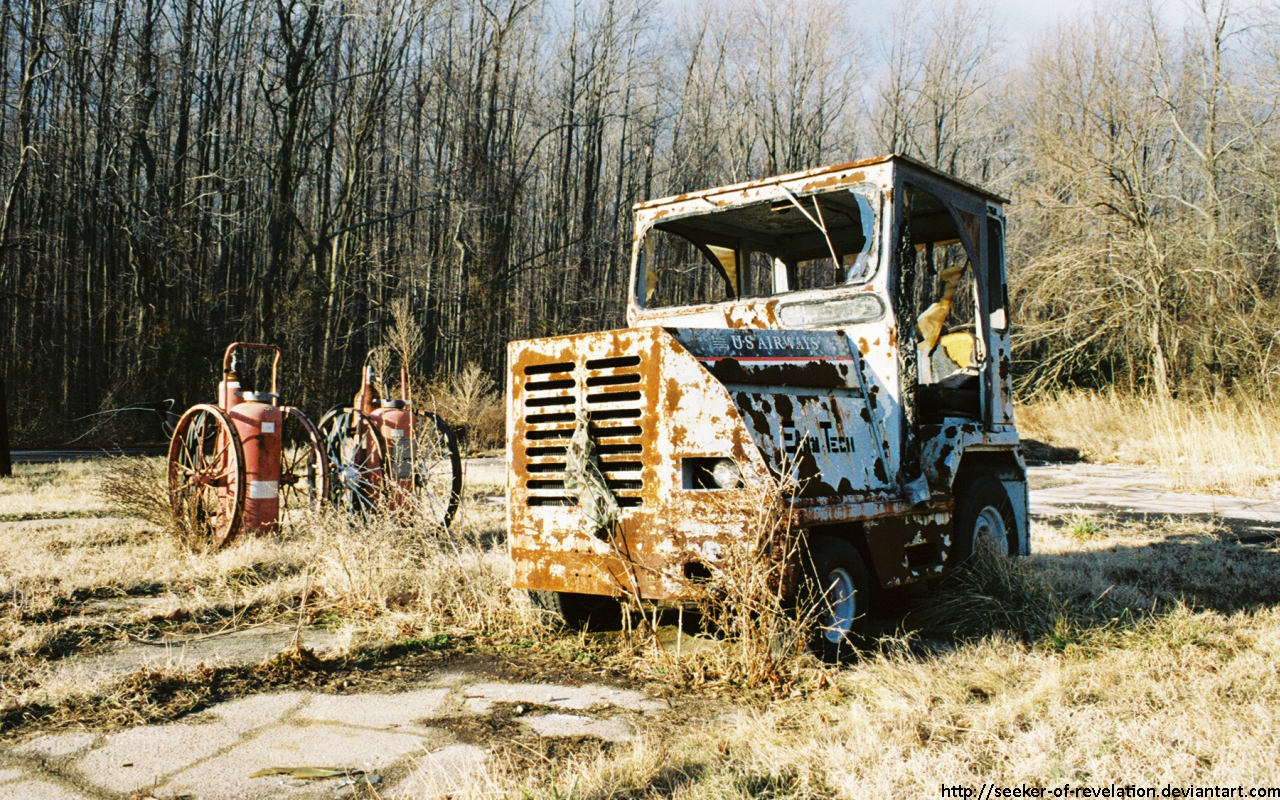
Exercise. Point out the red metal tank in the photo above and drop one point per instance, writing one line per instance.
(258, 420)
(395, 422)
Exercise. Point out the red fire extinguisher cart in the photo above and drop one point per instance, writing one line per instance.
(246, 464)
(386, 455)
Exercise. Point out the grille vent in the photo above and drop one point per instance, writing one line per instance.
(614, 401)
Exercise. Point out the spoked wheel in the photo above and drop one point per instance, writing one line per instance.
(206, 477)
(304, 469)
(436, 467)
(356, 454)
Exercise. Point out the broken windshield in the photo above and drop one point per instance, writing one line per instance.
(768, 248)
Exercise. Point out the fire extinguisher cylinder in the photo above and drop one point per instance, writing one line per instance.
(258, 421)
(395, 422)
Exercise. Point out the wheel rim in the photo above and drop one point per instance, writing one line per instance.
(436, 469)
(356, 454)
(304, 472)
(989, 528)
(841, 605)
(206, 477)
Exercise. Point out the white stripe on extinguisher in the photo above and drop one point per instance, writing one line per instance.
(263, 490)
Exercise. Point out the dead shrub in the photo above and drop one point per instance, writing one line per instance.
(472, 405)
(763, 630)
(138, 488)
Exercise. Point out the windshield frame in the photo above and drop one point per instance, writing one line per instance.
(870, 197)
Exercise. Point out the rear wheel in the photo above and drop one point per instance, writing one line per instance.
(304, 469)
(983, 514)
(841, 587)
(437, 470)
(581, 612)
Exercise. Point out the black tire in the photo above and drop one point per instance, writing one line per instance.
(581, 612)
(982, 505)
(832, 568)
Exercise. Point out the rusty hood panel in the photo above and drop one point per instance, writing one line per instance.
(651, 405)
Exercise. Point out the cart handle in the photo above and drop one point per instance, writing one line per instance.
(275, 363)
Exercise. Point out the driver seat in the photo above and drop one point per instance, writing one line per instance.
(957, 393)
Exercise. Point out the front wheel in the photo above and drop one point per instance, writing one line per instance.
(581, 612)
(841, 587)
(206, 478)
(984, 516)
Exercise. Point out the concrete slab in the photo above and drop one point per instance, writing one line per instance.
(56, 745)
(1062, 488)
(37, 790)
(240, 648)
(612, 729)
(226, 777)
(457, 770)
(250, 713)
(141, 757)
(380, 711)
(480, 697)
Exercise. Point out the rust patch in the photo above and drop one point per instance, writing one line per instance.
(834, 181)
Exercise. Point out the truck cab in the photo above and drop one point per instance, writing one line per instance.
(841, 331)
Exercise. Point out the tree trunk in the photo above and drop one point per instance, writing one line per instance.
(6, 468)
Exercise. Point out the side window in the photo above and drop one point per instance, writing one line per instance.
(999, 291)
(678, 272)
(944, 289)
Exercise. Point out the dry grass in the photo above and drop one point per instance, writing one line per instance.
(49, 489)
(1125, 650)
(83, 586)
(1228, 445)
(1128, 665)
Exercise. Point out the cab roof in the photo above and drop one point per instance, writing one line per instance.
(897, 159)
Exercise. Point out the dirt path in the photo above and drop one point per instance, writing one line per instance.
(1058, 489)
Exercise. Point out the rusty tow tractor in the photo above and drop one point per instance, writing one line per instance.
(387, 456)
(246, 464)
(845, 328)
